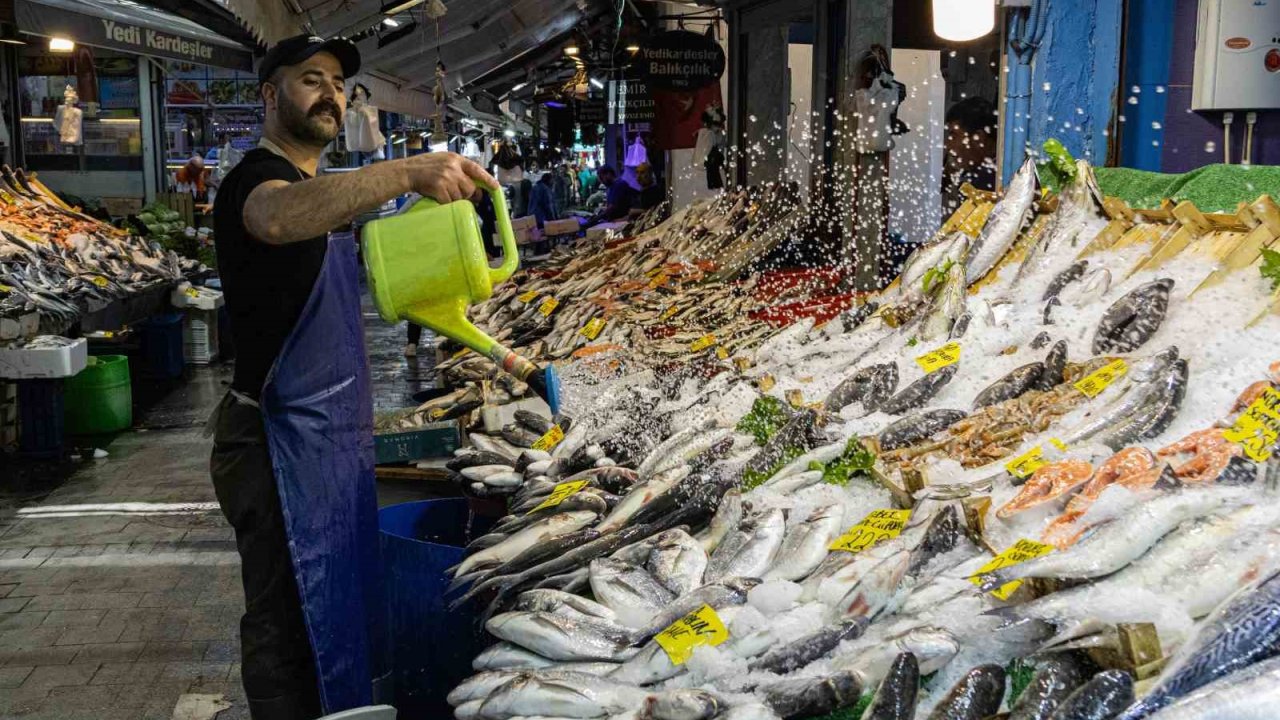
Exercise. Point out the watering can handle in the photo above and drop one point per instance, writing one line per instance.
(510, 254)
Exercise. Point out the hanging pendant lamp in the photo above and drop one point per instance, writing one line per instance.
(961, 20)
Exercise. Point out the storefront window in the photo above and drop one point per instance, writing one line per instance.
(202, 104)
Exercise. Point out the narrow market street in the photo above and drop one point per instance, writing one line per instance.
(120, 589)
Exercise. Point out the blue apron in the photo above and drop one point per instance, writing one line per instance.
(318, 411)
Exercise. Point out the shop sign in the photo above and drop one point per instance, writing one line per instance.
(39, 19)
(630, 102)
(681, 60)
(593, 111)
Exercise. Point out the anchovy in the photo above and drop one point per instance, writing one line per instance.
(798, 653)
(869, 386)
(1010, 386)
(1065, 278)
(1049, 686)
(1004, 223)
(572, 695)
(1243, 630)
(1054, 366)
(895, 699)
(1249, 694)
(919, 426)
(557, 637)
(749, 551)
(677, 561)
(976, 696)
(1131, 321)
(919, 392)
(811, 697)
(1109, 692)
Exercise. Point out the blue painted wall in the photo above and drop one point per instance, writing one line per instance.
(1148, 49)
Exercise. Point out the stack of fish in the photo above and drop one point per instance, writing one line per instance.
(56, 261)
(806, 536)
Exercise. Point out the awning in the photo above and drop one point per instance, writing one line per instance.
(130, 27)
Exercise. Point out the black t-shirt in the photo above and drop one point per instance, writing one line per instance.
(266, 286)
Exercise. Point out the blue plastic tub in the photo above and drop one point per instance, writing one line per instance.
(161, 347)
(431, 646)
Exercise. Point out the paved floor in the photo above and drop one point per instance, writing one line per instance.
(119, 582)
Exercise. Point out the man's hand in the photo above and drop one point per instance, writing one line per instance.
(445, 177)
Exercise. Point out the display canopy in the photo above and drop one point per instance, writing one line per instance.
(130, 27)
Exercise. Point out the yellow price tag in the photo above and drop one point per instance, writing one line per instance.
(460, 353)
(548, 306)
(1019, 552)
(722, 353)
(99, 281)
(108, 334)
(653, 272)
(527, 297)
(702, 343)
(550, 440)
(1026, 464)
(5, 289)
(948, 354)
(6, 197)
(700, 627)
(560, 494)
(192, 293)
(875, 528)
(592, 329)
(658, 281)
(668, 313)
(1258, 427)
(1098, 380)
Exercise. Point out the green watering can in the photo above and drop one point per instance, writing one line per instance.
(428, 264)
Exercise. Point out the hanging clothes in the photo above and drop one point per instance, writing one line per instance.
(361, 126)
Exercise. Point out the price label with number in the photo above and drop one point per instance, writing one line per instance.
(1019, 552)
(592, 329)
(1258, 427)
(7, 198)
(561, 493)
(668, 313)
(527, 297)
(700, 627)
(548, 306)
(99, 281)
(658, 281)
(702, 343)
(948, 354)
(550, 440)
(1098, 380)
(722, 353)
(1026, 464)
(192, 293)
(875, 528)
(5, 289)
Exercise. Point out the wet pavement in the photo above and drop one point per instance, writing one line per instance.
(119, 582)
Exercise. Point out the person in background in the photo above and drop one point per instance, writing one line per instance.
(542, 201)
(969, 150)
(619, 198)
(190, 178)
(588, 181)
(652, 193)
(560, 189)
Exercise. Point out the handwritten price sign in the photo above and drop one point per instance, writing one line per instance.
(1098, 380)
(1258, 427)
(700, 627)
(875, 528)
(948, 354)
(1019, 552)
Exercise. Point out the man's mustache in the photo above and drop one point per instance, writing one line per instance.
(323, 107)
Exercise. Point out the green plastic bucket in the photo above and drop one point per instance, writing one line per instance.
(100, 398)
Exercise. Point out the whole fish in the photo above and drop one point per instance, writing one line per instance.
(1078, 202)
(976, 696)
(930, 257)
(750, 550)
(568, 696)
(919, 392)
(1131, 321)
(824, 454)
(947, 306)
(630, 591)
(591, 500)
(1249, 694)
(557, 637)
(726, 519)
(1243, 630)
(795, 482)
(798, 653)
(1153, 418)
(1065, 278)
(811, 697)
(535, 555)
(1051, 684)
(508, 656)
(799, 432)
(682, 704)
(805, 544)
(480, 472)
(677, 561)
(895, 699)
(1137, 389)
(640, 495)
(477, 458)
(874, 590)
(541, 532)
(719, 595)
(917, 427)
(1105, 695)
(869, 386)
(554, 600)
(1003, 224)
(1013, 385)
(1054, 366)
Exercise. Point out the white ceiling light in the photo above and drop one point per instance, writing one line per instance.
(394, 8)
(509, 133)
(391, 22)
(518, 86)
(597, 84)
(58, 44)
(961, 20)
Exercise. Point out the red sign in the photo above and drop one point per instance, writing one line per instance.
(678, 115)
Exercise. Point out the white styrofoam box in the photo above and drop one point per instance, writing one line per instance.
(19, 363)
(10, 329)
(495, 417)
(186, 296)
(1237, 56)
(200, 336)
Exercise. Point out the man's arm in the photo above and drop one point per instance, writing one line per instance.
(278, 212)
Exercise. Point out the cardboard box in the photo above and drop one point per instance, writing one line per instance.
(431, 440)
(568, 226)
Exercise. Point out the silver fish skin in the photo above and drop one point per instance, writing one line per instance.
(468, 710)
(552, 527)
(478, 686)
(641, 495)
(692, 449)
(726, 519)
(551, 600)
(796, 482)
(729, 593)
(925, 258)
(508, 656)
(1004, 223)
(629, 590)
(1249, 694)
(1115, 544)
(677, 561)
(947, 307)
(1138, 388)
(805, 544)
(559, 638)
(761, 537)
(874, 590)
(663, 451)
(683, 704)
(480, 472)
(1078, 202)
(571, 696)
(822, 454)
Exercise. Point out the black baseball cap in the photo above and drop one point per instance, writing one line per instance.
(298, 48)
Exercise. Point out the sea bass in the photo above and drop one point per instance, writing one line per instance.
(1003, 224)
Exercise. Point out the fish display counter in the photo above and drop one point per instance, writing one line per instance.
(1036, 475)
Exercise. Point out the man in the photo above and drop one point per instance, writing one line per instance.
(292, 460)
(542, 203)
(619, 196)
(651, 194)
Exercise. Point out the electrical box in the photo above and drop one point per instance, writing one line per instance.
(1237, 55)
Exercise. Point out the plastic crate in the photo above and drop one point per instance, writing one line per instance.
(438, 439)
(40, 418)
(200, 336)
(161, 345)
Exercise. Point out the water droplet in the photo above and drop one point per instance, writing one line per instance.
(1155, 143)
(1133, 100)
(1159, 88)
(953, 53)
(752, 118)
(1136, 90)
(1156, 126)
(1046, 87)
(1210, 146)
(1121, 118)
